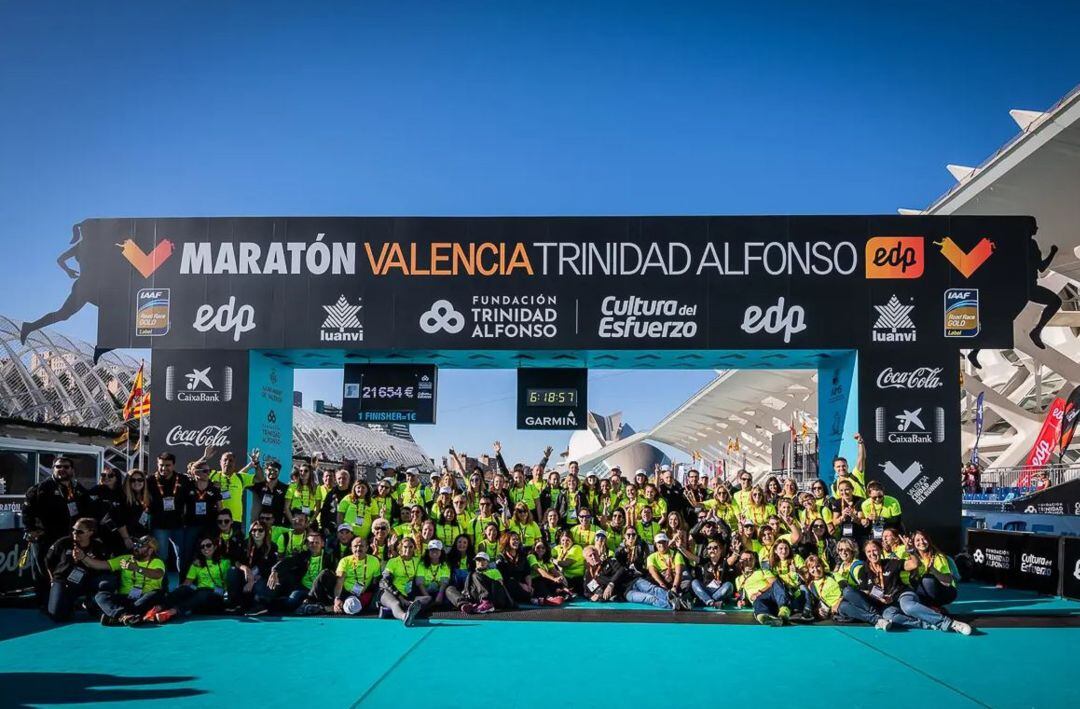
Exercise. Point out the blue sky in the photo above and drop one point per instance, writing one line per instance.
(466, 108)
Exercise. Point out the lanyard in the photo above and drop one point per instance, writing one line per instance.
(204, 493)
(161, 488)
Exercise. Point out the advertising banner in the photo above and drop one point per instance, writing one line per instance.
(1061, 499)
(608, 283)
(1016, 559)
(200, 400)
(1069, 418)
(13, 578)
(1070, 567)
(1046, 443)
(269, 411)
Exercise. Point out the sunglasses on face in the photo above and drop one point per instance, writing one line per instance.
(62, 466)
(81, 531)
(206, 546)
(258, 532)
(137, 480)
(108, 476)
(224, 520)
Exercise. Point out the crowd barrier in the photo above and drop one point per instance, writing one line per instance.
(1033, 562)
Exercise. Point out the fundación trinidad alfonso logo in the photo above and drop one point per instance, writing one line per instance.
(146, 263)
(966, 262)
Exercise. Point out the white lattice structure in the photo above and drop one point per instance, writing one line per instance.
(1035, 173)
(316, 433)
(52, 379)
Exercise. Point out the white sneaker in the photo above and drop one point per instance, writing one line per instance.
(960, 627)
(883, 624)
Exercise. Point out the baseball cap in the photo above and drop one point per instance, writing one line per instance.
(661, 537)
(352, 605)
(446, 491)
(601, 533)
(435, 544)
(342, 527)
(413, 471)
(482, 555)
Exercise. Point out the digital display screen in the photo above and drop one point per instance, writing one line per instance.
(389, 393)
(551, 397)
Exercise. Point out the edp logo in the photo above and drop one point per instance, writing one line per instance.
(225, 318)
(775, 319)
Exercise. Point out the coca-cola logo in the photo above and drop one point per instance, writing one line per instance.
(918, 378)
(216, 436)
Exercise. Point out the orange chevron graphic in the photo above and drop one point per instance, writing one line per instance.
(966, 263)
(145, 263)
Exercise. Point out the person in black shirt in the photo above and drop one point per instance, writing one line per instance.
(714, 575)
(201, 506)
(879, 581)
(168, 492)
(605, 578)
(131, 517)
(342, 544)
(71, 578)
(270, 494)
(845, 509)
(513, 563)
(329, 511)
(106, 496)
(633, 552)
(259, 559)
(48, 512)
(230, 537)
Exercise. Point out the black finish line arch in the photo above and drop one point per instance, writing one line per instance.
(880, 305)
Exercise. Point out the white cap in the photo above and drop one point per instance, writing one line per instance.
(664, 468)
(661, 537)
(344, 527)
(640, 471)
(386, 464)
(446, 491)
(388, 481)
(352, 605)
(413, 471)
(435, 544)
(482, 555)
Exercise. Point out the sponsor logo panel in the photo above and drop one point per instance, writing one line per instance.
(152, 312)
(637, 318)
(917, 378)
(226, 318)
(210, 435)
(775, 319)
(199, 385)
(911, 480)
(342, 322)
(495, 317)
(894, 323)
(966, 262)
(894, 257)
(908, 425)
(961, 312)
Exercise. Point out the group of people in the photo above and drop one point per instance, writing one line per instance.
(479, 541)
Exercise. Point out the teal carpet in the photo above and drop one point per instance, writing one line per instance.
(330, 662)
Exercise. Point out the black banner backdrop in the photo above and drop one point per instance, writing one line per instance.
(906, 292)
(1016, 559)
(1070, 567)
(1061, 499)
(200, 400)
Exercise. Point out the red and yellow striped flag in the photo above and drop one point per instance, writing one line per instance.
(138, 401)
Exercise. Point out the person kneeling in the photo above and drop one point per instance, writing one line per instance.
(210, 580)
(141, 576)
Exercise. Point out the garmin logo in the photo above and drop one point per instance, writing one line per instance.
(216, 436)
(568, 420)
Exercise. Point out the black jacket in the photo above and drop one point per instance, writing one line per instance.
(291, 569)
(46, 508)
(609, 571)
(636, 567)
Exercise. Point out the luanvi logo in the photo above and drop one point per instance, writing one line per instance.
(146, 263)
(966, 262)
(894, 323)
(907, 426)
(342, 323)
(442, 317)
(198, 387)
(894, 257)
(775, 319)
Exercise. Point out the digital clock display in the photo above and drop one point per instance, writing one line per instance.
(551, 397)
